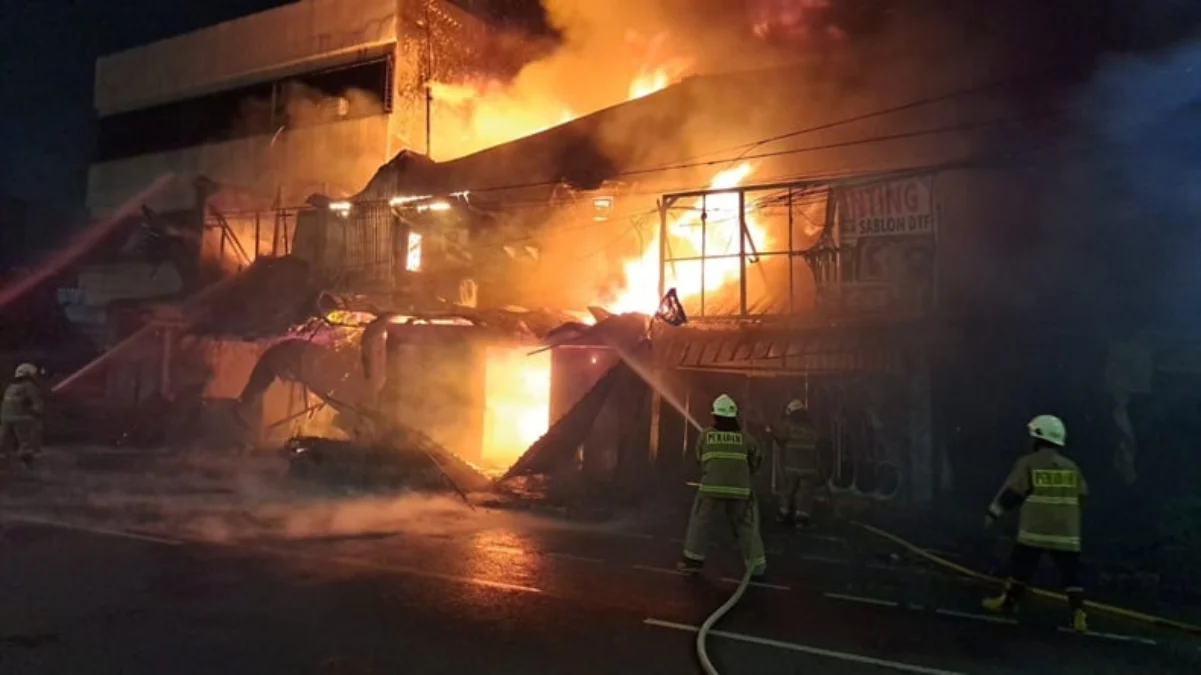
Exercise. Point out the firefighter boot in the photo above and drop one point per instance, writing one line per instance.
(1001, 604)
(1007, 601)
(1076, 602)
(1079, 621)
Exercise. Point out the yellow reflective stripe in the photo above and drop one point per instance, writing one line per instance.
(1034, 538)
(723, 490)
(718, 454)
(723, 437)
(1053, 478)
(696, 557)
(1058, 501)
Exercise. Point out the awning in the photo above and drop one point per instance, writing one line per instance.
(774, 351)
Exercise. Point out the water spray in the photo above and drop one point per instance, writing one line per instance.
(79, 245)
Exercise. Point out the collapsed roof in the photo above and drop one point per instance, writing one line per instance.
(804, 118)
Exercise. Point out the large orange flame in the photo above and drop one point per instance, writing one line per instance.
(720, 211)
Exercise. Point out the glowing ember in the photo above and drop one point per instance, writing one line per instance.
(641, 292)
(517, 400)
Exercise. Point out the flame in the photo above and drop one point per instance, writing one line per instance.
(641, 287)
(647, 83)
(517, 400)
(478, 114)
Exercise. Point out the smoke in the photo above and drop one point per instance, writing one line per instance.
(607, 53)
(1123, 198)
(232, 500)
(308, 141)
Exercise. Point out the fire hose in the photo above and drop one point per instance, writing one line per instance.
(1100, 607)
(702, 653)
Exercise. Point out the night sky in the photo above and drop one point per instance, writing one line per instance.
(48, 49)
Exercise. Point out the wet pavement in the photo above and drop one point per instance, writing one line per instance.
(427, 586)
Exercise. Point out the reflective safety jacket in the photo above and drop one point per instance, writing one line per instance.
(728, 458)
(22, 401)
(798, 447)
(1052, 487)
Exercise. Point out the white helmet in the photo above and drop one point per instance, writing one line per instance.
(1048, 428)
(26, 370)
(724, 406)
(793, 406)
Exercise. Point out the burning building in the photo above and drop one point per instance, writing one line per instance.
(809, 230)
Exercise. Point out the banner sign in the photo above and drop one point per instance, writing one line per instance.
(902, 207)
(886, 239)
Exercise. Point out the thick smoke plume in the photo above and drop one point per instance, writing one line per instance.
(608, 52)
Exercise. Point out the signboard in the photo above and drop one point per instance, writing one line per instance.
(886, 237)
(897, 208)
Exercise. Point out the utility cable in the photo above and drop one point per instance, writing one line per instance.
(1052, 595)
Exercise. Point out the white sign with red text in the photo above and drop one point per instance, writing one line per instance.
(902, 207)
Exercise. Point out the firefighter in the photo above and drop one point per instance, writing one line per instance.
(1049, 489)
(21, 414)
(796, 450)
(728, 458)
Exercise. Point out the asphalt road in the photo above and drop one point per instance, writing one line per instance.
(461, 592)
(125, 572)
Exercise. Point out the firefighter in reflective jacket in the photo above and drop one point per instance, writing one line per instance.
(796, 451)
(21, 414)
(1049, 489)
(728, 458)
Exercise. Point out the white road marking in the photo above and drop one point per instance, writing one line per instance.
(577, 558)
(760, 584)
(976, 617)
(102, 531)
(1113, 636)
(863, 600)
(805, 649)
(660, 570)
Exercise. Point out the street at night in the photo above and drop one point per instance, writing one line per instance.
(526, 337)
(140, 585)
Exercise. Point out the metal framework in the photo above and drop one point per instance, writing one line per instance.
(778, 252)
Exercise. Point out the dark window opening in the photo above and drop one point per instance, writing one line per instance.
(350, 92)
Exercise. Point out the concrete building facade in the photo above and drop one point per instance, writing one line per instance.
(311, 97)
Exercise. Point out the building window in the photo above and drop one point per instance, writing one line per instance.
(349, 92)
(413, 257)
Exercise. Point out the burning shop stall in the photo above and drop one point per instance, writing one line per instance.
(440, 351)
(810, 290)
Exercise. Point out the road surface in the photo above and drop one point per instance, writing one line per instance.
(451, 591)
